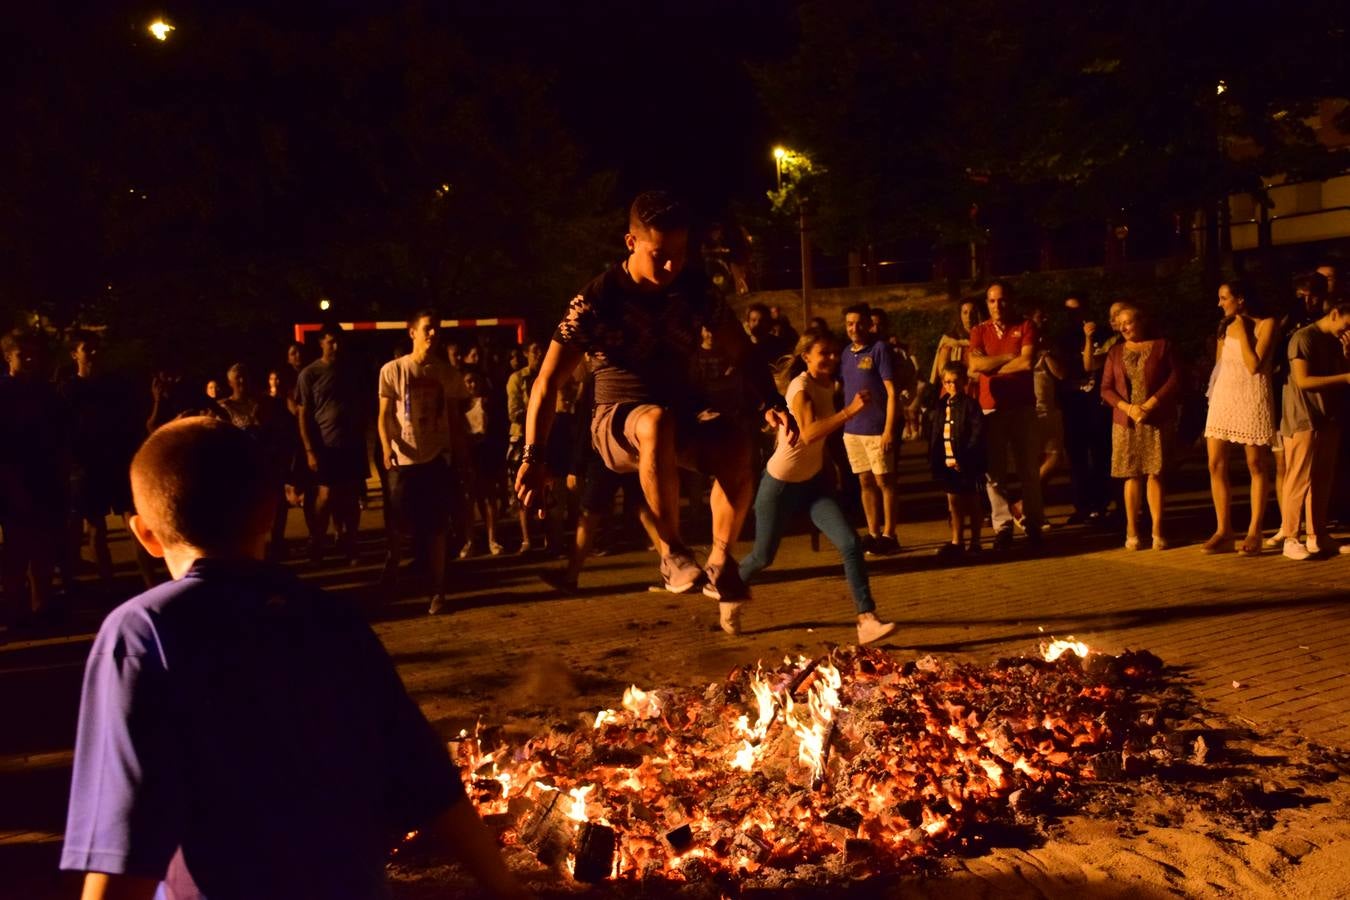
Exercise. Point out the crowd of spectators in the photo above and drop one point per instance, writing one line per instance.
(1009, 401)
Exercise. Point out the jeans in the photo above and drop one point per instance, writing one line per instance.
(774, 506)
(1087, 440)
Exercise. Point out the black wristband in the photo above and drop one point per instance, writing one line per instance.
(531, 453)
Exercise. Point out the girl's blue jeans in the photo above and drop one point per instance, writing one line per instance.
(775, 505)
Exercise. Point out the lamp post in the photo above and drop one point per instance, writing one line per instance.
(782, 156)
(160, 29)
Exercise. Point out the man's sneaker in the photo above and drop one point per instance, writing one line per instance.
(873, 629)
(974, 546)
(950, 552)
(558, 580)
(886, 545)
(1274, 542)
(679, 572)
(1003, 539)
(438, 605)
(1294, 550)
(730, 616)
(1323, 546)
(724, 582)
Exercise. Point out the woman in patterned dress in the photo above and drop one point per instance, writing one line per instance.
(1140, 383)
(1241, 411)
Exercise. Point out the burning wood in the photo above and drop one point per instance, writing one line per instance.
(873, 762)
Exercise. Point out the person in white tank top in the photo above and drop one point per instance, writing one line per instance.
(794, 480)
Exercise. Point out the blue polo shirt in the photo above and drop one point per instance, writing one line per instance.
(244, 735)
(869, 367)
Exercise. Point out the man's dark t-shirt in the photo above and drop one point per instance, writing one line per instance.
(331, 397)
(643, 343)
(244, 735)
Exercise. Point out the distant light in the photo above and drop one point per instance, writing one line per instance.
(1221, 87)
(445, 188)
(779, 153)
(160, 29)
(324, 304)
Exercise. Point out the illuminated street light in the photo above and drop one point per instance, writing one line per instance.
(779, 154)
(1220, 87)
(160, 29)
(324, 304)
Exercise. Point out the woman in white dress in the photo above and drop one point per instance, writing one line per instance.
(1241, 411)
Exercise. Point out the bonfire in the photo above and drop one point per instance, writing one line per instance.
(852, 763)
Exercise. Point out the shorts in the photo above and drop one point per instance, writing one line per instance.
(420, 496)
(98, 490)
(340, 465)
(1050, 431)
(865, 454)
(699, 443)
(601, 486)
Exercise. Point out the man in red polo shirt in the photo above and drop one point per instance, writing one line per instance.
(1002, 351)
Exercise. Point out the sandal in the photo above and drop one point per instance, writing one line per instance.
(1250, 547)
(1160, 543)
(1132, 543)
(1219, 543)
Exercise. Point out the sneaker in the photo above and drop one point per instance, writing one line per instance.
(730, 616)
(467, 550)
(679, 572)
(1003, 540)
(1294, 550)
(724, 582)
(873, 629)
(1034, 536)
(438, 605)
(1274, 542)
(886, 545)
(495, 548)
(1078, 518)
(1323, 547)
(974, 546)
(869, 545)
(1020, 524)
(950, 552)
(558, 580)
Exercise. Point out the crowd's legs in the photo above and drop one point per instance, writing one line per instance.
(1012, 433)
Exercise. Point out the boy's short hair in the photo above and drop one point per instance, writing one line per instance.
(657, 211)
(955, 368)
(327, 328)
(202, 483)
(425, 312)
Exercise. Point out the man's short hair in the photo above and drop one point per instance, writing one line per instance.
(202, 483)
(425, 312)
(81, 336)
(333, 328)
(1315, 283)
(861, 309)
(657, 211)
(761, 308)
(1005, 286)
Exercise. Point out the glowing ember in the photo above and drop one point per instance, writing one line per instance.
(1055, 649)
(872, 758)
(641, 704)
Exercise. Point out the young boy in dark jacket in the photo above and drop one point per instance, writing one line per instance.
(957, 457)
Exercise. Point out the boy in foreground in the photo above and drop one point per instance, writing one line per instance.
(242, 734)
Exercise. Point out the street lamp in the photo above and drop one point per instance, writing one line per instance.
(324, 305)
(160, 29)
(779, 154)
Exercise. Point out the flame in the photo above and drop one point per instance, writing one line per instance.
(1055, 649)
(577, 811)
(605, 716)
(812, 725)
(640, 703)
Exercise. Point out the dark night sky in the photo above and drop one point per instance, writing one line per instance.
(661, 97)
